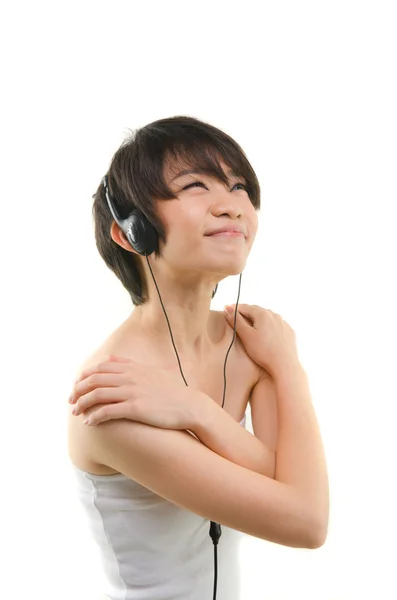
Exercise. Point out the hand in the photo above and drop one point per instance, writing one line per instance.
(125, 389)
(266, 337)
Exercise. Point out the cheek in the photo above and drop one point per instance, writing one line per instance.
(184, 228)
(254, 223)
(254, 228)
(183, 240)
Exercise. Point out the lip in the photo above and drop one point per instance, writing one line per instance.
(227, 234)
(227, 231)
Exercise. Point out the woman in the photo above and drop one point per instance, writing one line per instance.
(162, 459)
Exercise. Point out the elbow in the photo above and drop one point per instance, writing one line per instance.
(317, 540)
(317, 535)
(317, 519)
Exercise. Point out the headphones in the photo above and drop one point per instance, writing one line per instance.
(138, 230)
(143, 237)
(140, 233)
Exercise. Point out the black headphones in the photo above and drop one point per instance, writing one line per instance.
(143, 237)
(140, 233)
(137, 228)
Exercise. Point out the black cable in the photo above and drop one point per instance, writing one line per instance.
(215, 528)
(216, 570)
(234, 335)
(169, 326)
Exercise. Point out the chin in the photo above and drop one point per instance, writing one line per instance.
(233, 268)
(237, 270)
(222, 266)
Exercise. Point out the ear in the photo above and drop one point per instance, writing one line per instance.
(119, 237)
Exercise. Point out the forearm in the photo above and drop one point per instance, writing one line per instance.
(300, 458)
(217, 430)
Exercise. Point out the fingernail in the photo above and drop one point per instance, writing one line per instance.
(87, 422)
(228, 308)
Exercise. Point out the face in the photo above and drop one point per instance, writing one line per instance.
(202, 205)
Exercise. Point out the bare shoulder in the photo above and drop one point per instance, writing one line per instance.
(117, 342)
(79, 442)
(252, 371)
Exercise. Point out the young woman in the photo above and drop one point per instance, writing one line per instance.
(165, 451)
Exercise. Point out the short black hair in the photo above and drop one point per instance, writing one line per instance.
(136, 179)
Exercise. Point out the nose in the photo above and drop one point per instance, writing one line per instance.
(228, 205)
(233, 212)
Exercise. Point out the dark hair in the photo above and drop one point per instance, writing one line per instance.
(136, 179)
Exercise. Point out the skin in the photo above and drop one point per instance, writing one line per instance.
(186, 273)
(291, 510)
(191, 264)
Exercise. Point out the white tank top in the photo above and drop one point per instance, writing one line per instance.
(151, 549)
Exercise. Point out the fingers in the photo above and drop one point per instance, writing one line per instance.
(106, 413)
(253, 312)
(244, 315)
(99, 375)
(100, 395)
(112, 365)
(244, 309)
(93, 381)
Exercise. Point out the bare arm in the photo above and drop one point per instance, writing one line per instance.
(179, 468)
(300, 460)
(300, 457)
(217, 430)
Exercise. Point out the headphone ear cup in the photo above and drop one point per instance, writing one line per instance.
(141, 234)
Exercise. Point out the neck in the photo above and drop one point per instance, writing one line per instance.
(190, 320)
(186, 298)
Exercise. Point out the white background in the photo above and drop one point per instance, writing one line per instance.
(309, 91)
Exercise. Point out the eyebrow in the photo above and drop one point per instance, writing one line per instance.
(229, 173)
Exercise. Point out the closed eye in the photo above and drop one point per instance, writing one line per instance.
(201, 184)
(244, 187)
(195, 184)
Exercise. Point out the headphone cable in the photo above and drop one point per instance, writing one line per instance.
(215, 528)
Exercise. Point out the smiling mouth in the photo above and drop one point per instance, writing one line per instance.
(227, 234)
